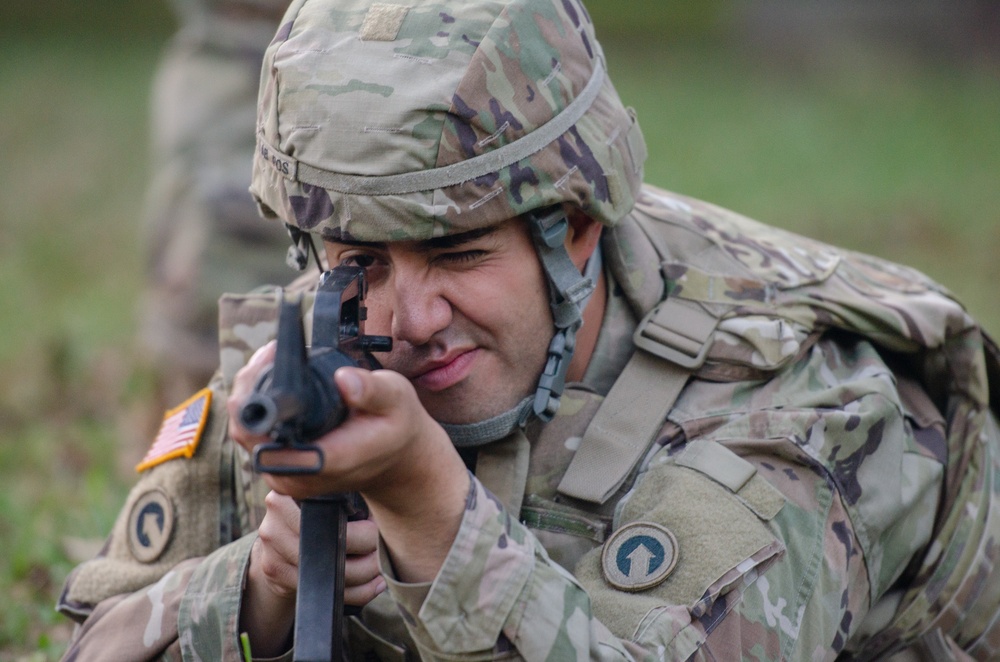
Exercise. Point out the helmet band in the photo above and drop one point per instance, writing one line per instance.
(445, 176)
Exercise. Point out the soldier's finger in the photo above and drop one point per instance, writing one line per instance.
(281, 575)
(280, 540)
(286, 508)
(359, 596)
(246, 376)
(243, 385)
(362, 537)
(359, 570)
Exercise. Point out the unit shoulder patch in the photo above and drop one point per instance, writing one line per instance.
(180, 431)
(638, 556)
(150, 523)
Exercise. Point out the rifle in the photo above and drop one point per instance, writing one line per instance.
(295, 402)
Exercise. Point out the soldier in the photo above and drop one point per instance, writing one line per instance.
(202, 234)
(617, 422)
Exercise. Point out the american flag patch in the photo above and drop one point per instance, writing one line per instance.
(180, 431)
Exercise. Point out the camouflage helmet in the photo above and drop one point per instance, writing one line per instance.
(385, 122)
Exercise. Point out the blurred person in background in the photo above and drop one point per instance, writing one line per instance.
(202, 234)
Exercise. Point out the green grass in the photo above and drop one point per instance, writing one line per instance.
(879, 153)
(73, 133)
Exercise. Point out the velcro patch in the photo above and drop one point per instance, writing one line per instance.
(382, 22)
(180, 431)
(638, 556)
(150, 524)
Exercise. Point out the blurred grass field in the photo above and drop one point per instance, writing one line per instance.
(871, 149)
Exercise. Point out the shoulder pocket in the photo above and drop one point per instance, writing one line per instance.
(716, 507)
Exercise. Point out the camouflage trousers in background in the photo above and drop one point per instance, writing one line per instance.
(202, 234)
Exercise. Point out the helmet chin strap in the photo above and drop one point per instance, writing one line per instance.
(470, 435)
(302, 245)
(569, 293)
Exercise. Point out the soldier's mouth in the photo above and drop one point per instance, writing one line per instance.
(441, 374)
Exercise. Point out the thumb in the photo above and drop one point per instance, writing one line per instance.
(375, 392)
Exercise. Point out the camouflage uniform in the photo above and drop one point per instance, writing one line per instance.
(795, 459)
(201, 230)
(863, 519)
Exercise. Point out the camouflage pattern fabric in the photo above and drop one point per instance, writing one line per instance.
(201, 232)
(848, 394)
(445, 122)
(143, 624)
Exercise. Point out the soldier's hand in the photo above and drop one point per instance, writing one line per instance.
(388, 448)
(276, 553)
(268, 608)
(403, 463)
(391, 451)
(267, 611)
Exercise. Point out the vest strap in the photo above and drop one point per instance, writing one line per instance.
(678, 330)
(626, 424)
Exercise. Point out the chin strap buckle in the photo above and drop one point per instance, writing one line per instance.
(553, 378)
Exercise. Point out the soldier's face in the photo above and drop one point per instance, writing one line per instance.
(468, 314)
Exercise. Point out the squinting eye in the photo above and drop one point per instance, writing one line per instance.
(363, 261)
(462, 256)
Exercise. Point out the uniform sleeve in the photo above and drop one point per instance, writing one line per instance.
(792, 518)
(209, 610)
(192, 613)
(498, 594)
(169, 564)
(141, 625)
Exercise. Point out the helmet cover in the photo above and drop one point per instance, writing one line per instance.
(385, 122)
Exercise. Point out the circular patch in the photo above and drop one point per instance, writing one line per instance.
(638, 556)
(150, 524)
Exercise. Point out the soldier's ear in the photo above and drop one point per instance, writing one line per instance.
(581, 237)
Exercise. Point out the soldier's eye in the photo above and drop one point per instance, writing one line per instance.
(358, 260)
(459, 257)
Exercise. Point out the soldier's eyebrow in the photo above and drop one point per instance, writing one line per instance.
(456, 240)
(435, 243)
